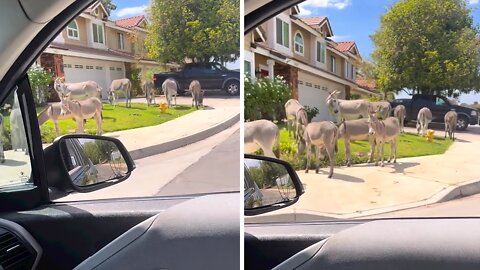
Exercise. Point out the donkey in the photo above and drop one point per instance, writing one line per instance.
(450, 124)
(83, 110)
(292, 106)
(382, 108)
(348, 109)
(384, 131)
(262, 134)
(197, 93)
(18, 136)
(2, 154)
(125, 87)
(400, 113)
(149, 90)
(169, 87)
(356, 130)
(322, 136)
(423, 119)
(54, 112)
(78, 91)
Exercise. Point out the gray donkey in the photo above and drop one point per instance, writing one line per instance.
(78, 91)
(197, 93)
(423, 119)
(123, 86)
(292, 106)
(169, 87)
(356, 130)
(322, 136)
(450, 124)
(348, 109)
(400, 113)
(149, 90)
(384, 131)
(262, 134)
(382, 108)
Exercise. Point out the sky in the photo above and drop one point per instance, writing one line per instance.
(356, 20)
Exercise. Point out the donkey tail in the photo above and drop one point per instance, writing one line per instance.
(43, 116)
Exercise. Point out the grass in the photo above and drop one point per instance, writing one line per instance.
(118, 118)
(410, 145)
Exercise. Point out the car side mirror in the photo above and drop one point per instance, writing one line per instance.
(270, 184)
(85, 163)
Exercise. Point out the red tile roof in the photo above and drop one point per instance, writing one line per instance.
(345, 46)
(130, 22)
(365, 84)
(314, 20)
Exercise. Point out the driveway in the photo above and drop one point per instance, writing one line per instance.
(364, 190)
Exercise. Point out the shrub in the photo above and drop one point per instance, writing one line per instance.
(265, 99)
(135, 77)
(311, 112)
(39, 79)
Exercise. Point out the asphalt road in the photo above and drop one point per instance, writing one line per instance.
(210, 165)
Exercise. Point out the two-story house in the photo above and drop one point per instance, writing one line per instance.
(92, 47)
(302, 52)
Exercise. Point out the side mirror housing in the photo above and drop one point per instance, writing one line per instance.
(85, 163)
(270, 184)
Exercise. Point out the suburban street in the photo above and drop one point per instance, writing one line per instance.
(211, 165)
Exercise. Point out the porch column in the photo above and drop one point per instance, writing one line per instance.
(271, 64)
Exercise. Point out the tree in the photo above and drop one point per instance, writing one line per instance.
(200, 30)
(428, 46)
(109, 5)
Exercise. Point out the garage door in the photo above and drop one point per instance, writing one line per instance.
(102, 72)
(312, 92)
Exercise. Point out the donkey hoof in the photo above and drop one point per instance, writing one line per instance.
(395, 161)
(306, 171)
(349, 164)
(330, 175)
(382, 165)
(389, 161)
(376, 163)
(316, 171)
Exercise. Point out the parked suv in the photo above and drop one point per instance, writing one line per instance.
(212, 76)
(439, 106)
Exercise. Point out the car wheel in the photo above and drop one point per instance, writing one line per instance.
(232, 88)
(462, 123)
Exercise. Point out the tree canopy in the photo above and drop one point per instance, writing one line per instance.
(109, 5)
(427, 46)
(200, 30)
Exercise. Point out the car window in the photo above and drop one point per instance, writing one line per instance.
(15, 162)
(96, 78)
(440, 101)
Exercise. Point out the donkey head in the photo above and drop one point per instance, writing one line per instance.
(64, 99)
(301, 144)
(332, 102)
(200, 98)
(373, 124)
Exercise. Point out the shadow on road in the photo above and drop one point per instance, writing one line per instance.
(13, 163)
(400, 167)
(347, 178)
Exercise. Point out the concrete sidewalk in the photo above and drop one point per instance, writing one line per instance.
(147, 141)
(364, 190)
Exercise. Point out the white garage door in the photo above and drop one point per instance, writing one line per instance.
(313, 93)
(83, 69)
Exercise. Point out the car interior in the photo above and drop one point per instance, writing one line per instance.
(176, 232)
(408, 243)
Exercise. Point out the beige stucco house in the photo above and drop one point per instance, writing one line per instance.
(302, 52)
(93, 47)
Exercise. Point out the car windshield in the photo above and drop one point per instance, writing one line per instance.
(358, 96)
(104, 73)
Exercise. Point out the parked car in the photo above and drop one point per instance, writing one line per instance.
(439, 105)
(212, 76)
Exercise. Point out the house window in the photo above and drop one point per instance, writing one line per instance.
(98, 68)
(67, 65)
(121, 44)
(79, 66)
(97, 33)
(299, 43)
(283, 33)
(333, 66)
(72, 30)
(88, 67)
(112, 68)
(247, 67)
(321, 52)
(119, 69)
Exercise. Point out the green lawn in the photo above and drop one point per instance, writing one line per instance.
(118, 118)
(410, 145)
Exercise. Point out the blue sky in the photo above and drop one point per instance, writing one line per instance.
(356, 20)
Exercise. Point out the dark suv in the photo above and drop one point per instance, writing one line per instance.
(212, 76)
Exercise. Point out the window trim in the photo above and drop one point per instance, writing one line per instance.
(318, 51)
(102, 31)
(77, 30)
(284, 39)
(295, 44)
(120, 41)
(333, 64)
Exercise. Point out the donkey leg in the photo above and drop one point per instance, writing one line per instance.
(318, 154)
(57, 129)
(331, 156)
(308, 157)
(383, 153)
(98, 119)
(347, 152)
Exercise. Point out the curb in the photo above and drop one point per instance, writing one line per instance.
(183, 141)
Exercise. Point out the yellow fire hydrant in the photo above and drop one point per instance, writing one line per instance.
(430, 134)
(163, 107)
